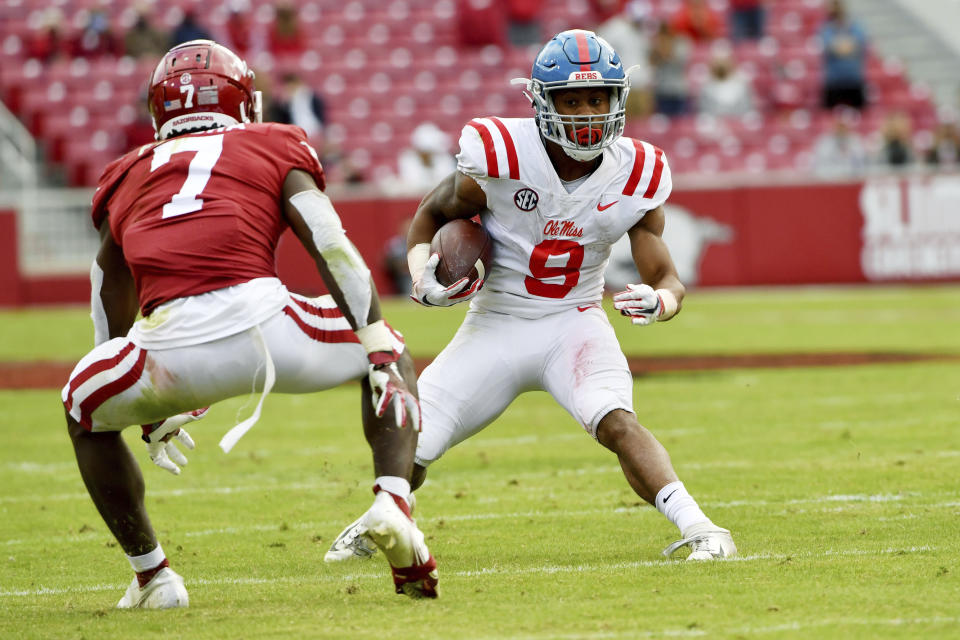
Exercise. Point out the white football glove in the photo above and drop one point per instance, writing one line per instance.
(389, 389)
(641, 303)
(160, 446)
(430, 293)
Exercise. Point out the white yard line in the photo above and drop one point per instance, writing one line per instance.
(488, 571)
(738, 631)
(174, 493)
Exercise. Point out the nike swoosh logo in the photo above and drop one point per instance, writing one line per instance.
(669, 496)
(604, 207)
(589, 306)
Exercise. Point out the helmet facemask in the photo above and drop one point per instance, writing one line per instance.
(582, 137)
(578, 59)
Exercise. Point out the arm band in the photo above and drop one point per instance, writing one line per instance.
(417, 260)
(670, 304)
(375, 337)
(344, 262)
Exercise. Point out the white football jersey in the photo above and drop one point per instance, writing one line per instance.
(550, 247)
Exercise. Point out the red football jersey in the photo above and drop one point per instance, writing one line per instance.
(202, 211)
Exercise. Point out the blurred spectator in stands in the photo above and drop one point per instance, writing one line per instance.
(395, 260)
(481, 22)
(142, 40)
(697, 21)
(603, 10)
(95, 38)
(844, 58)
(240, 34)
(297, 103)
(523, 22)
(945, 150)
(747, 19)
(188, 29)
(46, 42)
(628, 32)
(669, 54)
(896, 144)
(237, 32)
(727, 91)
(286, 37)
(140, 131)
(424, 164)
(840, 152)
(339, 167)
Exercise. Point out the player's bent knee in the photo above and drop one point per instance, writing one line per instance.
(74, 428)
(616, 427)
(418, 477)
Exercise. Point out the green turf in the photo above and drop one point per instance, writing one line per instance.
(840, 485)
(877, 319)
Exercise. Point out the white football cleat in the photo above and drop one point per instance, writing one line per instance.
(706, 541)
(353, 541)
(389, 526)
(164, 591)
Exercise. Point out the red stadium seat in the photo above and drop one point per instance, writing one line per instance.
(385, 67)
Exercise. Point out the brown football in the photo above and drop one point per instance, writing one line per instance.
(465, 250)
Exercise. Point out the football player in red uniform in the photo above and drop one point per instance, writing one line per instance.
(189, 227)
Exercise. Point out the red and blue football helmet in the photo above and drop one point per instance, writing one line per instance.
(201, 84)
(578, 59)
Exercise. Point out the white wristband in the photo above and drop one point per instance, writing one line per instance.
(670, 304)
(375, 337)
(417, 260)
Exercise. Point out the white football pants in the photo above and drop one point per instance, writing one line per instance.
(310, 343)
(573, 355)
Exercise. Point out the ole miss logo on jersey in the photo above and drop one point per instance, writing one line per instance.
(526, 199)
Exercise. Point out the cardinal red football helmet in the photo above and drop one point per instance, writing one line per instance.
(198, 85)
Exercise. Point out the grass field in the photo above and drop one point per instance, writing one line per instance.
(841, 486)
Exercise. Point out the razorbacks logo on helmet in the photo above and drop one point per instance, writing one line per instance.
(201, 84)
(578, 59)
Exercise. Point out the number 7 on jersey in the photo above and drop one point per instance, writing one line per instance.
(208, 150)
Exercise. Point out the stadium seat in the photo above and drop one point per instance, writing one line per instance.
(375, 99)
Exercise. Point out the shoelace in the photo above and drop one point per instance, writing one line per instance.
(703, 543)
(694, 542)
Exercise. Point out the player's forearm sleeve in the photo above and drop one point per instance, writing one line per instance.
(101, 328)
(669, 302)
(344, 262)
(417, 260)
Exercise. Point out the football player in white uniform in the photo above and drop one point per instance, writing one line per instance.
(554, 192)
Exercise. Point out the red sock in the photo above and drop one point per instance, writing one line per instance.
(143, 577)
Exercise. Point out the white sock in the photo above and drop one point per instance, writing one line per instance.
(396, 485)
(679, 507)
(148, 560)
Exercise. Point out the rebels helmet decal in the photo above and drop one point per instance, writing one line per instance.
(198, 85)
(578, 59)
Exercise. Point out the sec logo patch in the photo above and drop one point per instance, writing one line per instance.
(526, 199)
